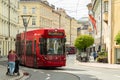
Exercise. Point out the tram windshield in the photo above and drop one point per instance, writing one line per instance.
(52, 46)
(55, 46)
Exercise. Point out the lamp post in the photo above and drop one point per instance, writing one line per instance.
(101, 28)
(26, 19)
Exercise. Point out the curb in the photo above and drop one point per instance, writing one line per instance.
(100, 65)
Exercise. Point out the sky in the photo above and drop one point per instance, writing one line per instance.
(74, 8)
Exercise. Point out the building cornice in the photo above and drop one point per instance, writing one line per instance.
(40, 1)
(56, 12)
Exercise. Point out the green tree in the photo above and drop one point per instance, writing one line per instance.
(83, 41)
(117, 38)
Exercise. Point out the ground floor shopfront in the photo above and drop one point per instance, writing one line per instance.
(5, 45)
(114, 57)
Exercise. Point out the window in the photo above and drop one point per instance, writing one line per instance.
(29, 47)
(33, 20)
(55, 46)
(106, 6)
(33, 10)
(43, 46)
(118, 55)
(22, 46)
(19, 47)
(24, 10)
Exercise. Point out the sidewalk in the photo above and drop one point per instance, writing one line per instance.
(3, 75)
(102, 65)
(3, 71)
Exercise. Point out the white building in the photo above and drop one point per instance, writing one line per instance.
(8, 25)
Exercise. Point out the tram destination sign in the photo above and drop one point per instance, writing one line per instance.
(55, 33)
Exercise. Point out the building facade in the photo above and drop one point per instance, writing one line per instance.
(108, 15)
(8, 25)
(85, 27)
(41, 14)
(114, 17)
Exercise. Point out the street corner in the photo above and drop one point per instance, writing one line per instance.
(13, 77)
(8, 77)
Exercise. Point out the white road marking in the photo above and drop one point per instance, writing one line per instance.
(41, 72)
(35, 70)
(48, 74)
(47, 78)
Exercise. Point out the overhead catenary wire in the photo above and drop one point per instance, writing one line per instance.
(77, 6)
(72, 7)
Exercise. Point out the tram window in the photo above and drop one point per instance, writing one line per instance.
(18, 47)
(43, 45)
(55, 46)
(41, 40)
(29, 47)
(22, 46)
(63, 41)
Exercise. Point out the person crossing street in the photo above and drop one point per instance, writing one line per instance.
(11, 61)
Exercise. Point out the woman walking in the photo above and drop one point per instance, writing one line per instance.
(11, 61)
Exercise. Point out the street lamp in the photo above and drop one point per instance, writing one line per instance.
(26, 19)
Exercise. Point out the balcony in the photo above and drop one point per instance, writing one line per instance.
(105, 17)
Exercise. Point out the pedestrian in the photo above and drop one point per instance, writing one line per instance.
(16, 70)
(0, 53)
(11, 61)
(94, 55)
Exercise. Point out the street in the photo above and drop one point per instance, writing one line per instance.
(72, 71)
(93, 73)
(42, 32)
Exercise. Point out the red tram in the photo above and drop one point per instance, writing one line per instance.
(42, 48)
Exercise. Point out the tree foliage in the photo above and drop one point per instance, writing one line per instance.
(117, 38)
(83, 41)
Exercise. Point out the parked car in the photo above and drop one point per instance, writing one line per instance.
(70, 50)
(82, 56)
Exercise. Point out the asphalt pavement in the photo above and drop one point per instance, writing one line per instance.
(3, 69)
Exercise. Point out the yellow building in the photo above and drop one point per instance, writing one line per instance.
(41, 14)
(68, 29)
(70, 25)
(115, 23)
(57, 19)
(73, 29)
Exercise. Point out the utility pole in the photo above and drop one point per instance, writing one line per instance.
(8, 23)
(70, 29)
(101, 29)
